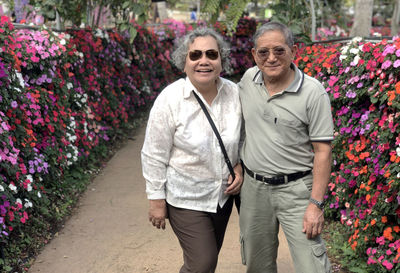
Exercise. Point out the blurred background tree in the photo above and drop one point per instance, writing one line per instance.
(303, 16)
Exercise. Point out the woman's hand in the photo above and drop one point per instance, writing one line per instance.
(235, 185)
(158, 213)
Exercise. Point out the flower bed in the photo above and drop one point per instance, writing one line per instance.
(363, 80)
(64, 100)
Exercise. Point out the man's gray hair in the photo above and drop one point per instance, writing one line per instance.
(180, 53)
(274, 26)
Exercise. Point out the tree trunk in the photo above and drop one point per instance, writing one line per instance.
(362, 18)
(162, 10)
(313, 20)
(99, 15)
(395, 18)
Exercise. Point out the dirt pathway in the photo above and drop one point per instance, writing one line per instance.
(110, 233)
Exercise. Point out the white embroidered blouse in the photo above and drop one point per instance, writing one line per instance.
(181, 158)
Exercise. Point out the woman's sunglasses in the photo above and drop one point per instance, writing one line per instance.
(263, 53)
(211, 54)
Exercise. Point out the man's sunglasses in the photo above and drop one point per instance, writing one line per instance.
(211, 54)
(263, 53)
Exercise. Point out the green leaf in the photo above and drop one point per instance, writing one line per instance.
(126, 4)
(132, 33)
(357, 270)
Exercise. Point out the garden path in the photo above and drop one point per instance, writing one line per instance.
(109, 231)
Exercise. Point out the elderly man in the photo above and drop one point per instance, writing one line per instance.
(286, 156)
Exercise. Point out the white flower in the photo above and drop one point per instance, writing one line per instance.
(398, 175)
(356, 60)
(398, 151)
(84, 98)
(28, 204)
(29, 177)
(39, 195)
(29, 188)
(18, 201)
(13, 188)
(344, 49)
(1, 188)
(20, 79)
(357, 39)
(62, 41)
(354, 50)
(342, 57)
(69, 85)
(69, 155)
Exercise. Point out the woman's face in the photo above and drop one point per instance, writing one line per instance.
(203, 69)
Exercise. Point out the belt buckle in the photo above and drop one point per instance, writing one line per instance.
(285, 179)
(264, 180)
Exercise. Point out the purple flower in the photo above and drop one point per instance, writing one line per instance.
(364, 117)
(351, 94)
(3, 73)
(14, 104)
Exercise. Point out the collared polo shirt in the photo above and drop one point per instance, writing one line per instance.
(280, 129)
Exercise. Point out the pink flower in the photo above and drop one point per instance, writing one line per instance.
(35, 59)
(371, 260)
(387, 264)
(333, 80)
(380, 240)
(396, 64)
(386, 64)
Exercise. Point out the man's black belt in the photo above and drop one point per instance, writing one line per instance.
(276, 180)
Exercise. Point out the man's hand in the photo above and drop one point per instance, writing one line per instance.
(235, 186)
(313, 221)
(158, 213)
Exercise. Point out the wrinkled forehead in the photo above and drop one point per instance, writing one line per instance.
(271, 39)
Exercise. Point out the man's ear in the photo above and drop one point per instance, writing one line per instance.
(294, 51)
(253, 52)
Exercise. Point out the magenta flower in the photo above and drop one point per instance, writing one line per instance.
(387, 264)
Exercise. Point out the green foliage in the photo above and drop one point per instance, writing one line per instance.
(293, 14)
(233, 10)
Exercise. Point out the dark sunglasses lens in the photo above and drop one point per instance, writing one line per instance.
(279, 51)
(263, 53)
(212, 54)
(195, 55)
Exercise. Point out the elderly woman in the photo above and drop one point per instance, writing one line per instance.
(187, 179)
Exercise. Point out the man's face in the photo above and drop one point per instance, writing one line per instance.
(273, 56)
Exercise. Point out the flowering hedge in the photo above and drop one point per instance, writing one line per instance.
(64, 100)
(363, 80)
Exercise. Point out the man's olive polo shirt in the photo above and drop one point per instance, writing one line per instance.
(279, 129)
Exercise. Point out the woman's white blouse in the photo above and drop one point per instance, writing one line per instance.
(181, 158)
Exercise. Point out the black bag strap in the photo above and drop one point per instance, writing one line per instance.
(221, 144)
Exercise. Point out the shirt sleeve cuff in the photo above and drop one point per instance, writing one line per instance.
(156, 195)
